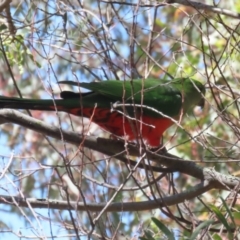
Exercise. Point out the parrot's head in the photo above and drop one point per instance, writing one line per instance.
(193, 93)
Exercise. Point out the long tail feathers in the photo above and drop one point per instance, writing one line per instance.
(32, 104)
(73, 103)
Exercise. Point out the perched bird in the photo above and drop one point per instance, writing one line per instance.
(134, 109)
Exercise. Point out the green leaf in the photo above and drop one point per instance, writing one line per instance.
(216, 237)
(31, 57)
(19, 39)
(164, 229)
(221, 217)
(228, 210)
(236, 216)
(199, 228)
(2, 27)
(147, 236)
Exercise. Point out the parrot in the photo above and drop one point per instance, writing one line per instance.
(140, 108)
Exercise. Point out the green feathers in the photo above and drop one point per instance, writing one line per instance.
(166, 97)
(151, 97)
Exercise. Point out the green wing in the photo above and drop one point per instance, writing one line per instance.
(164, 96)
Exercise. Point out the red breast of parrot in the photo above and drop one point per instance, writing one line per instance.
(134, 109)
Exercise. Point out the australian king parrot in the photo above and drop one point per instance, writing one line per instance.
(133, 109)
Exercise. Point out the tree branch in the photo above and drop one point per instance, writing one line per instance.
(113, 207)
(189, 3)
(119, 150)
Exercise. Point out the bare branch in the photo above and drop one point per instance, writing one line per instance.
(4, 4)
(203, 6)
(113, 207)
(118, 149)
(189, 3)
